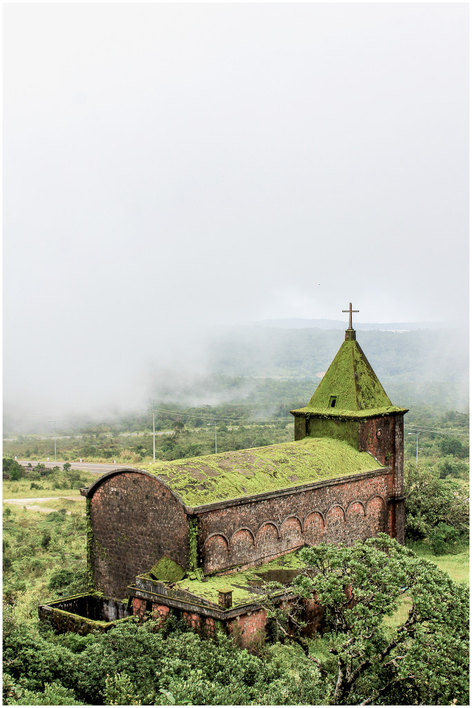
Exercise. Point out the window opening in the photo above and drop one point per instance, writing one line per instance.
(332, 401)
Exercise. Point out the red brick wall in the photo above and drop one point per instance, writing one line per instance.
(383, 438)
(135, 520)
(249, 532)
(249, 629)
(377, 436)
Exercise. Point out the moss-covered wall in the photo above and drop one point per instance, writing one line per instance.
(347, 430)
(300, 427)
(83, 613)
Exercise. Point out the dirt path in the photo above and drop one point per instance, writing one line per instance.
(34, 503)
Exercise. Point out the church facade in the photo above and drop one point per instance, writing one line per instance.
(198, 536)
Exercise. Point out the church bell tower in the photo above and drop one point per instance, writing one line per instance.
(350, 404)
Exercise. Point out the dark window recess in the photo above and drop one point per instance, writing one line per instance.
(332, 401)
(148, 606)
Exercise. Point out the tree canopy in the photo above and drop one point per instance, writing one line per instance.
(371, 655)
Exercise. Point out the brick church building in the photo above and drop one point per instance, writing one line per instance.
(198, 536)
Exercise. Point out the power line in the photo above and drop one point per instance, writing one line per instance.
(440, 432)
(210, 417)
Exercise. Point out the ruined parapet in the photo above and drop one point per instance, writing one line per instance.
(84, 613)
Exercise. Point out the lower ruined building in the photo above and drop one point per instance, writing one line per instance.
(198, 537)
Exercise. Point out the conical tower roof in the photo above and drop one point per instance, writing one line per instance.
(350, 387)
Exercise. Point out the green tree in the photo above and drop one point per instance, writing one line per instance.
(443, 538)
(430, 501)
(453, 446)
(449, 466)
(12, 469)
(421, 660)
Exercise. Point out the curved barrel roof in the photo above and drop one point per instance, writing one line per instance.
(231, 475)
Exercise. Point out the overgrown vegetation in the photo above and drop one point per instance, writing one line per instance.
(39, 480)
(437, 509)
(422, 660)
(44, 558)
(359, 658)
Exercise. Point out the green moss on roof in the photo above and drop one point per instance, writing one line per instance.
(352, 381)
(167, 570)
(243, 584)
(337, 413)
(230, 475)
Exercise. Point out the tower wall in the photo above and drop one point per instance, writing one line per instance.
(347, 430)
(383, 438)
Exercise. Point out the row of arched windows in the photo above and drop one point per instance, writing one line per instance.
(338, 525)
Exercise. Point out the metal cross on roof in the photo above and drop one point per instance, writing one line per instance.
(350, 314)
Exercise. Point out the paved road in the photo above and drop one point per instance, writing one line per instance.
(96, 467)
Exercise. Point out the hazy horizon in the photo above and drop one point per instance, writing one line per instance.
(171, 169)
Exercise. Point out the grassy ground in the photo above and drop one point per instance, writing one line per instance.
(36, 548)
(48, 487)
(456, 565)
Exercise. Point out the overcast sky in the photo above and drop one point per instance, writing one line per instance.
(169, 167)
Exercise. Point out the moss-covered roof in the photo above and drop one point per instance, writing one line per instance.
(352, 386)
(230, 475)
(244, 584)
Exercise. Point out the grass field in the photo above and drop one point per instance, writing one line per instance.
(48, 487)
(454, 564)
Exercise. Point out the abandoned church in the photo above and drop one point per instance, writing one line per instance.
(197, 537)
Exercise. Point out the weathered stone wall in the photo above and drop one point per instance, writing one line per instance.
(83, 613)
(341, 512)
(135, 519)
(249, 630)
(383, 438)
(377, 436)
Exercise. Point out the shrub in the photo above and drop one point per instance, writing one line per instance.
(45, 539)
(12, 469)
(442, 538)
(119, 691)
(68, 582)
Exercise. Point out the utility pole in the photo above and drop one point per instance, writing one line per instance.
(417, 436)
(216, 443)
(153, 437)
(55, 445)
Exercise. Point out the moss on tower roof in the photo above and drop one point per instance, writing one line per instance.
(231, 475)
(352, 385)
